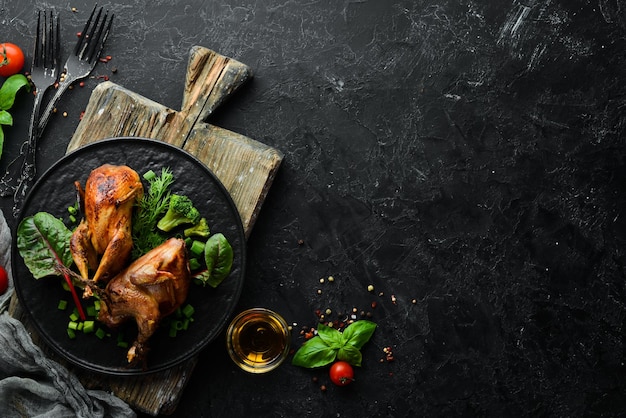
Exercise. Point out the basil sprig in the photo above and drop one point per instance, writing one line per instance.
(8, 91)
(329, 345)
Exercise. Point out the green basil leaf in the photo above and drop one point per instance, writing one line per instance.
(218, 255)
(5, 118)
(43, 241)
(330, 335)
(314, 353)
(358, 333)
(351, 354)
(9, 90)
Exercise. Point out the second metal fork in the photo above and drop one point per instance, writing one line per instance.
(43, 74)
(84, 59)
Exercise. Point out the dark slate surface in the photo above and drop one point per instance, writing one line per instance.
(466, 157)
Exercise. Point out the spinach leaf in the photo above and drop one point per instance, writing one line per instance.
(218, 255)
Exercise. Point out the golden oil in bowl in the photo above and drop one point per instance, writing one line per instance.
(258, 340)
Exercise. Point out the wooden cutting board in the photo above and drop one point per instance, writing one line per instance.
(246, 168)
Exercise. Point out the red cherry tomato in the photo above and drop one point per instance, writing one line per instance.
(11, 59)
(341, 373)
(4, 280)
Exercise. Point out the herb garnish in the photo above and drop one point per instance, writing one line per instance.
(329, 345)
(8, 91)
(149, 209)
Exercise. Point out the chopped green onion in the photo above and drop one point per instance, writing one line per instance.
(194, 264)
(73, 219)
(65, 286)
(73, 325)
(74, 316)
(91, 311)
(89, 326)
(100, 333)
(149, 175)
(62, 305)
(73, 210)
(188, 311)
(96, 304)
(120, 341)
(71, 333)
(197, 247)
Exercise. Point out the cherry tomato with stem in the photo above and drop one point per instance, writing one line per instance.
(341, 373)
(4, 280)
(11, 59)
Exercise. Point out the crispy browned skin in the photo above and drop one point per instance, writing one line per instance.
(105, 231)
(152, 287)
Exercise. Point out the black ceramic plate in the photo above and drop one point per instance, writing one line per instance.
(55, 192)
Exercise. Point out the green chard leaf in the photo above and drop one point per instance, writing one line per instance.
(43, 243)
(358, 333)
(9, 90)
(314, 353)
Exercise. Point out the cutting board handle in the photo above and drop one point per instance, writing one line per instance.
(210, 79)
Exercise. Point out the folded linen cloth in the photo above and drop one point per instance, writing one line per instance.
(33, 385)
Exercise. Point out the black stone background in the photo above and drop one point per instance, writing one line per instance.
(467, 155)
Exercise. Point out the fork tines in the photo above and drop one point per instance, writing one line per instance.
(48, 41)
(97, 29)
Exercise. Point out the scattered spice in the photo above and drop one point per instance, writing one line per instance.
(388, 354)
(370, 288)
(331, 279)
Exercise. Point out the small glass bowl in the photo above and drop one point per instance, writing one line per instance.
(258, 340)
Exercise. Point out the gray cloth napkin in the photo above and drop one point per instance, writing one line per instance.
(31, 384)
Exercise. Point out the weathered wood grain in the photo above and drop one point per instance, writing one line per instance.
(246, 168)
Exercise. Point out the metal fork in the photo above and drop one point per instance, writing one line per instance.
(84, 59)
(43, 74)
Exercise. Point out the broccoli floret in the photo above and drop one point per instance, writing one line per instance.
(201, 229)
(180, 211)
